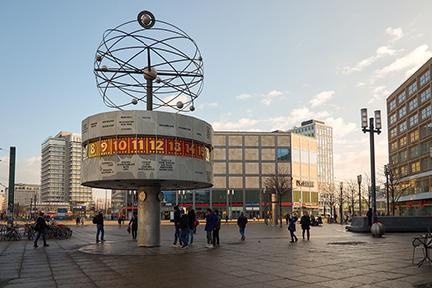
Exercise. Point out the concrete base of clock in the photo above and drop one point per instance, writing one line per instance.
(148, 216)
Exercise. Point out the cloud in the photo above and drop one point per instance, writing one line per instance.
(208, 105)
(27, 170)
(270, 96)
(362, 64)
(321, 98)
(379, 94)
(360, 84)
(341, 129)
(397, 33)
(410, 62)
(243, 96)
(295, 117)
(242, 124)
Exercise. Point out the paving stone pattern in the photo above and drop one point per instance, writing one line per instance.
(332, 258)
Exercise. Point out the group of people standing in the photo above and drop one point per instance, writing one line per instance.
(305, 222)
(186, 223)
(185, 227)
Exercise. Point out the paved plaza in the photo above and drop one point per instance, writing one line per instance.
(332, 258)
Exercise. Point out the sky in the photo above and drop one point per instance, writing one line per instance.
(268, 65)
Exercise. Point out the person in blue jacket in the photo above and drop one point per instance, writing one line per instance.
(209, 227)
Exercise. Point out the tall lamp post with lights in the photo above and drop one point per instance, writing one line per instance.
(373, 127)
(341, 202)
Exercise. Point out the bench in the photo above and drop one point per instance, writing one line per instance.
(423, 242)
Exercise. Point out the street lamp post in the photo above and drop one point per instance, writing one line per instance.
(359, 180)
(341, 203)
(229, 201)
(387, 173)
(372, 130)
(182, 193)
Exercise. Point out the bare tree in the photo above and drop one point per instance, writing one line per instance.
(396, 190)
(351, 195)
(328, 196)
(280, 184)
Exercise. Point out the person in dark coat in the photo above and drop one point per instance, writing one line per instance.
(184, 229)
(40, 228)
(133, 224)
(369, 216)
(177, 226)
(192, 220)
(99, 221)
(292, 227)
(241, 222)
(216, 228)
(209, 227)
(305, 224)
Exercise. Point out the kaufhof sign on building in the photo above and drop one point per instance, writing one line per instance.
(125, 149)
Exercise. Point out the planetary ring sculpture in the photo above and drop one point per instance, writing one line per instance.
(148, 61)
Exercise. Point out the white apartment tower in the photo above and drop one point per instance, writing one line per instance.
(324, 137)
(61, 170)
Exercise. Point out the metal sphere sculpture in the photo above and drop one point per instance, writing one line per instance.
(148, 61)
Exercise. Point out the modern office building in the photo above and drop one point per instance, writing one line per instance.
(61, 171)
(242, 161)
(409, 115)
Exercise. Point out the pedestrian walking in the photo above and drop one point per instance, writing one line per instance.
(292, 227)
(305, 224)
(176, 221)
(99, 221)
(77, 220)
(184, 229)
(192, 221)
(40, 228)
(226, 218)
(133, 226)
(241, 222)
(82, 221)
(369, 216)
(209, 227)
(119, 221)
(216, 228)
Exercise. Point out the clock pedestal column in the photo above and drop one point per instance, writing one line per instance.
(149, 216)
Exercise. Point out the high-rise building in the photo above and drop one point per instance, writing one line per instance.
(324, 137)
(118, 200)
(61, 171)
(409, 115)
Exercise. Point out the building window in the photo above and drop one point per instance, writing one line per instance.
(392, 104)
(401, 97)
(393, 133)
(394, 146)
(402, 127)
(402, 112)
(413, 104)
(403, 141)
(403, 155)
(415, 167)
(282, 154)
(413, 120)
(412, 88)
(425, 78)
(394, 159)
(425, 95)
(404, 170)
(426, 112)
(393, 118)
(414, 151)
(414, 136)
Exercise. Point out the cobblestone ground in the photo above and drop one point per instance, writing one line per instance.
(332, 258)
